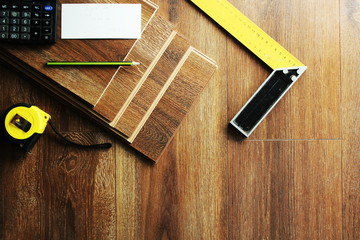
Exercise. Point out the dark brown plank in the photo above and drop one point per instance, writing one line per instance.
(153, 88)
(285, 190)
(57, 192)
(350, 90)
(127, 80)
(20, 202)
(166, 117)
(83, 205)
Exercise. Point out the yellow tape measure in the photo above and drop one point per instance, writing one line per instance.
(287, 69)
(24, 123)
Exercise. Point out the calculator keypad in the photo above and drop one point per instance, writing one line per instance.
(28, 21)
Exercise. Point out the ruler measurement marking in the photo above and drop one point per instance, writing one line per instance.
(239, 24)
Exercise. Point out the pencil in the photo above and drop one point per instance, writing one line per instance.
(92, 63)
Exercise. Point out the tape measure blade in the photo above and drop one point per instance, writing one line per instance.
(248, 33)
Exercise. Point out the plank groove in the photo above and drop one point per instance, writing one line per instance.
(173, 106)
(153, 87)
(118, 93)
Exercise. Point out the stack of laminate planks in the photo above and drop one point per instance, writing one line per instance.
(144, 104)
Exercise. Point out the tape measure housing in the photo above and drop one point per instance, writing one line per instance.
(23, 124)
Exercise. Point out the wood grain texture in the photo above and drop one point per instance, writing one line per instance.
(77, 193)
(350, 30)
(209, 183)
(128, 80)
(153, 87)
(285, 189)
(173, 106)
(48, 194)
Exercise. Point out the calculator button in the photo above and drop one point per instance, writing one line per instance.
(4, 28)
(25, 21)
(14, 14)
(47, 15)
(4, 6)
(36, 7)
(47, 30)
(35, 15)
(47, 23)
(35, 33)
(4, 13)
(14, 36)
(14, 7)
(14, 21)
(25, 29)
(46, 37)
(4, 36)
(35, 22)
(25, 36)
(48, 8)
(4, 21)
(14, 29)
(26, 7)
(26, 14)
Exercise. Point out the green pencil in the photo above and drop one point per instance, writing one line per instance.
(92, 63)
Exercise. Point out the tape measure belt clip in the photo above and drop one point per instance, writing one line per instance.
(21, 123)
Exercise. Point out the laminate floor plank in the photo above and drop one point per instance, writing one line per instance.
(128, 80)
(83, 205)
(285, 189)
(350, 103)
(153, 87)
(20, 201)
(173, 106)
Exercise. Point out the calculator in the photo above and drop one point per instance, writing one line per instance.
(25, 21)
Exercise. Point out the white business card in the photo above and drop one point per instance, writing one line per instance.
(100, 21)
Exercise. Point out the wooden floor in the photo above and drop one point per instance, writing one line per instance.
(296, 177)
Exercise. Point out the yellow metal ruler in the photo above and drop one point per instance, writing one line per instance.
(286, 68)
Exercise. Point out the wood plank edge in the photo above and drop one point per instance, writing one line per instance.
(143, 78)
(207, 58)
(196, 100)
(155, 159)
(161, 94)
(155, 6)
